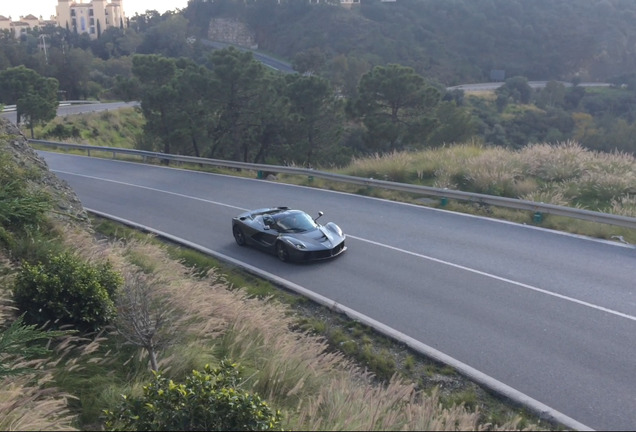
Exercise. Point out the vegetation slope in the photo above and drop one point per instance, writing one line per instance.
(76, 380)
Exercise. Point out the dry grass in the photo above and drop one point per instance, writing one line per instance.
(563, 174)
(316, 389)
(27, 404)
(28, 401)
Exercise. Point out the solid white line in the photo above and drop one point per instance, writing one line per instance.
(499, 278)
(426, 257)
(536, 406)
(154, 190)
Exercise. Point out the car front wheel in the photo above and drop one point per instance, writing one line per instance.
(238, 236)
(281, 252)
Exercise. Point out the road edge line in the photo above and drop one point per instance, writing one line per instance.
(543, 411)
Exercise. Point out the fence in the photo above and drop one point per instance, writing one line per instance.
(539, 209)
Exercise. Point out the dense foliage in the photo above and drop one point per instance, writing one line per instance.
(302, 120)
(209, 400)
(67, 291)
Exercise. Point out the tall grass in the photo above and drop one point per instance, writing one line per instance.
(563, 173)
(120, 128)
(315, 387)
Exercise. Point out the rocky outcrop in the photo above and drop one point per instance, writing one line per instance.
(67, 205)
(231, 31)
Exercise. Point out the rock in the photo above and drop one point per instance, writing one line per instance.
(68, 207)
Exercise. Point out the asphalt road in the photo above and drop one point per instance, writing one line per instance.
(551, 315)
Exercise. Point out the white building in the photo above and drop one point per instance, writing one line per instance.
(92, 17)
(25, 23)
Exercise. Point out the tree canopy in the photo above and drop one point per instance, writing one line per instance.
(35, 96)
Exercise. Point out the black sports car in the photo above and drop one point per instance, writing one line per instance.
(292, 235)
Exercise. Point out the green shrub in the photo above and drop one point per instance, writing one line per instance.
(208, 400)
(66, 290)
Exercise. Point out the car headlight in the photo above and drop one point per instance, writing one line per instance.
(297, 244)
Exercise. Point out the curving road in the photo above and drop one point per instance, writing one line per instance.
(551, 315)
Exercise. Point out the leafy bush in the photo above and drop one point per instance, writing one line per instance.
(66, 290)
(208, 400)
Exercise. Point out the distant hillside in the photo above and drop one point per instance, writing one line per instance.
(452, 41)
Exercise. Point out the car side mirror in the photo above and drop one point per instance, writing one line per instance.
(319, 216)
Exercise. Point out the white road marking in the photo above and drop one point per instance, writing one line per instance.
(396, 249)
(499, 278)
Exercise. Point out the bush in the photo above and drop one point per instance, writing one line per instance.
(208, 400)
(66, 290)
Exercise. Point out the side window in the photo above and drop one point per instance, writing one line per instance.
(268, 221)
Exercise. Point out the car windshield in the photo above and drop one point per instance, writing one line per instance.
(296, 222)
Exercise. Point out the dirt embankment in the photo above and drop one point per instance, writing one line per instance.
(67, 205)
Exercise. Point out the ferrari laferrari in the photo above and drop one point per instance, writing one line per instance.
(292, 235)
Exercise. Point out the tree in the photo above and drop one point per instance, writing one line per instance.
(154, 74)
(72, 67)
(208, 400)
(551, 96)
(456, 124)
(309, 61)
(34, 95)
(40, 107)
(168, 37)
(144, 317)
(237, 90)
(516, 89)
(177, 101)
(397, 106)
(313, 116)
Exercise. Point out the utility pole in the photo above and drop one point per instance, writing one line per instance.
(43, 37)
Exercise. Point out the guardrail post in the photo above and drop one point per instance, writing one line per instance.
(88, 151)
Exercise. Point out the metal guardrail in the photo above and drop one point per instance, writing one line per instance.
(511, 203)
(11, 108)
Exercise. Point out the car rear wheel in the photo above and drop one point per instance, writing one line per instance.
(238, 236)
(281, 252)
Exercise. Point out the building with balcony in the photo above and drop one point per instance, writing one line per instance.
(92, 17)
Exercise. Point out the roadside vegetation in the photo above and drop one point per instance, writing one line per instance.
(564, 173)
(195, 338)
(91, 312)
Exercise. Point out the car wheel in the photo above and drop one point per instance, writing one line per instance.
(238, 236)
(281, 252)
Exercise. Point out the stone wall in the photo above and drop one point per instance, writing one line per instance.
(231, 31)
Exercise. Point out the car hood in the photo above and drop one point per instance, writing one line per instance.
(320, 237)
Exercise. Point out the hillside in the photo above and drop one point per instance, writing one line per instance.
(66, 205)
(454, 42)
